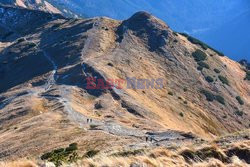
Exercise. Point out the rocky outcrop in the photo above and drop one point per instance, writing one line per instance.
(147, 28)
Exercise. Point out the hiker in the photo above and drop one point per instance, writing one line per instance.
(146, 138)
(87, 120)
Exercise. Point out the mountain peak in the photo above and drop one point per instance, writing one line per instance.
(146, 27)
(142, 19)
(142, 14)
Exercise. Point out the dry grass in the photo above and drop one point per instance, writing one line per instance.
(143, 160)
(38, 104)
(159, 157)
(18, 163)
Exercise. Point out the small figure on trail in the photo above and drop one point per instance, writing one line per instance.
(146, 138)
(90, 120)
(87, 120)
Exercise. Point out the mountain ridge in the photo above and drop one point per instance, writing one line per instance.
(197, 18)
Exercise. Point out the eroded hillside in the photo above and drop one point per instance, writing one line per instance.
(42, 5)
(45, 103)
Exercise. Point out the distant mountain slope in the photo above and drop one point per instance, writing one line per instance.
(182, 14)
(32, 4)
(43, 5)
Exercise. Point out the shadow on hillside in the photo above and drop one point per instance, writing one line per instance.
(63, 46)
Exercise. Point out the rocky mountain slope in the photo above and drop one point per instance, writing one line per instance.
(42, 5)
(46, 102)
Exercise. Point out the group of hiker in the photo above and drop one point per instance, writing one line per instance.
(89, 120)
(149, 139)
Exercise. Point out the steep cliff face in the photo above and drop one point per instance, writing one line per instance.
(55, 75)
